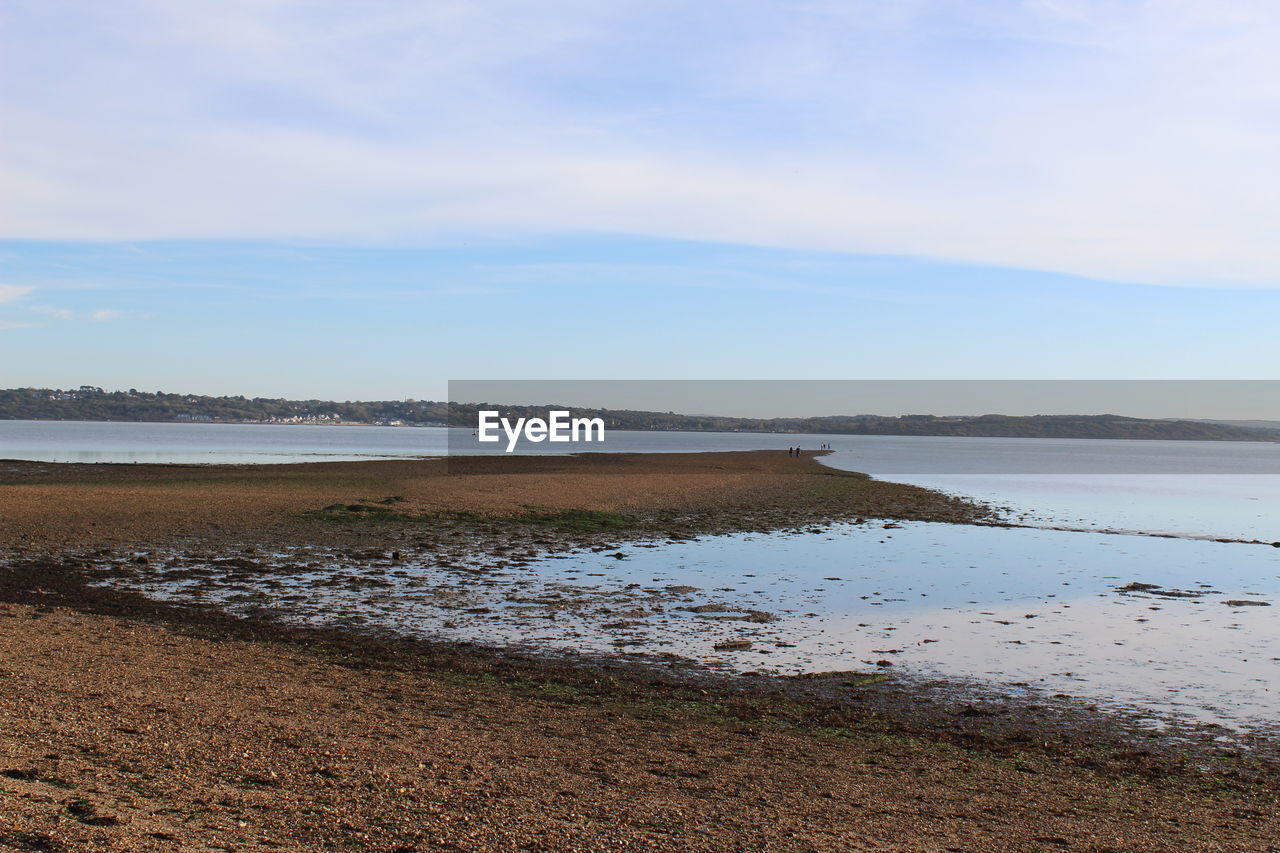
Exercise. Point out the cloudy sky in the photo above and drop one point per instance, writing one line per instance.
(361, 200)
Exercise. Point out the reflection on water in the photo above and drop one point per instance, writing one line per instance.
(1048, 609)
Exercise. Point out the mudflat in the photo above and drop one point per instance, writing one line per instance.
(128, 724)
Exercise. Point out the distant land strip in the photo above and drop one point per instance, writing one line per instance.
(89, 403)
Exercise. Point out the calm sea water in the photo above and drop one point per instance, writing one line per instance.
(226, 444)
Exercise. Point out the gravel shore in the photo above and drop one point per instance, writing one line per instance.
(128, 724)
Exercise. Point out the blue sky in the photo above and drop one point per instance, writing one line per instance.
(366, 200)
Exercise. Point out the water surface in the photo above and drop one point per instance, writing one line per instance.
(1050, 610)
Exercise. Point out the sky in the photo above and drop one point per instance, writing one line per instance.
(312, 198)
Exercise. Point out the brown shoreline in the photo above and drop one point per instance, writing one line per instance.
(50, 505)
(161, 718)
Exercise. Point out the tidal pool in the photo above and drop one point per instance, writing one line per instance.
(1175, 628)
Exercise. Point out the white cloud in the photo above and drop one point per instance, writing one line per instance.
(1135, 141)
(52, 311)
(10, 292)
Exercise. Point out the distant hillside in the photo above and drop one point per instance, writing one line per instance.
(980, 426)
(87, 403)
(1253, 424)
(94, 404)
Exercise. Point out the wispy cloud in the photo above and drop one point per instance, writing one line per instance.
(10, 292)
(1135, 141)
(52, 311)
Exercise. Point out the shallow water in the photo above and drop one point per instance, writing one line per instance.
(1231, 506)
(1025, 607)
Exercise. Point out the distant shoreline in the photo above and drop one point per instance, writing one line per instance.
(1121, 429)
(94, 404)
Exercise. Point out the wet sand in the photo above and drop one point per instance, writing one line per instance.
(133, 725)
